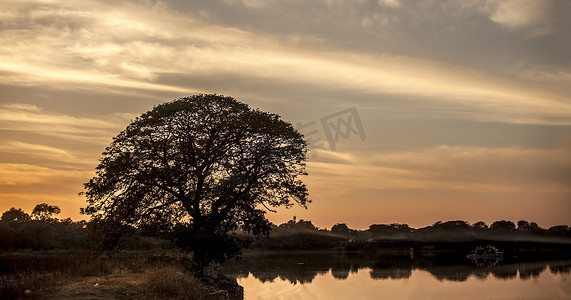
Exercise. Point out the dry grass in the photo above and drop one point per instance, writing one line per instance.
(132, 276)
(169, 282)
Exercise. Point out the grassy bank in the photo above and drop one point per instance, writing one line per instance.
(62, 274)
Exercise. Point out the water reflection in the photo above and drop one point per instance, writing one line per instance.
(304, 267)
(486, 261)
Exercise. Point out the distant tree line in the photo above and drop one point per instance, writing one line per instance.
(303, 235)
(41, 230)
(446, 228)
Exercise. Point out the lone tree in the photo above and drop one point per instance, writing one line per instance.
(197, 169)
(44, 212)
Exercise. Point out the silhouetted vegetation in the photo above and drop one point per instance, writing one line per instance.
(18, 231)
(194, 171)
(441, 236)
(45, 212)
(42, 232)
(304, 251)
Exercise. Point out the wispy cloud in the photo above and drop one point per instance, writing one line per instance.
(20, 112)
(24, 174)
(451, 168)
(535, 17)
(470, 183)
(31, 118)
(50, 139)
(149, 44)
(21, 107)
(43, 151)
(390, 3)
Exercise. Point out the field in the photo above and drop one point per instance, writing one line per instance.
(88, 275)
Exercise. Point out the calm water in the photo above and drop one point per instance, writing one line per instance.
(317, 276)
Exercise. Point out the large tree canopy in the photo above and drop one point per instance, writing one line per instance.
(201, 167)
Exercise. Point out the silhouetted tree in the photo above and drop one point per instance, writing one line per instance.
(305, 225)
(341, 228)
(15, 216)
(533, 227)
(401, 228)
(289, 224)
(202, 166)
(560, 230)
(5, 236)
(526, 227)
(503, 225)
(378, 228)
(480, 225)
(394, 229)
(451, 225)
(35, 235)
(300, 225)
(44, 212)
(522, 225)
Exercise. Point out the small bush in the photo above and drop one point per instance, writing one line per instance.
(170, 282)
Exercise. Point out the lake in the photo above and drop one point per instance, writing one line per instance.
(377, 276)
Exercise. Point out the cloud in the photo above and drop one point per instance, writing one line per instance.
(21, 106)
(77, 48)
(46, 152)
(332, 158)
(535, 74)
(19, 112)
(21, 73)
(248, 3)
(470, 169)
(532, 16)
(567, 144)
(403, 63)
(441, 183)
(73, 44)
(34, 136)
(30, 119)
(390, 3)
(25, 174)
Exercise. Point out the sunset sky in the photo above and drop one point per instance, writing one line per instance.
(465, 104)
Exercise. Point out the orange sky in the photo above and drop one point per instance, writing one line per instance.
(465, 107)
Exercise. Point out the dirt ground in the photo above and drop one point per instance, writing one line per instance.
(117, 286)
(165, 283)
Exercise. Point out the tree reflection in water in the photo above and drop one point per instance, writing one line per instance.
(304, 267)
